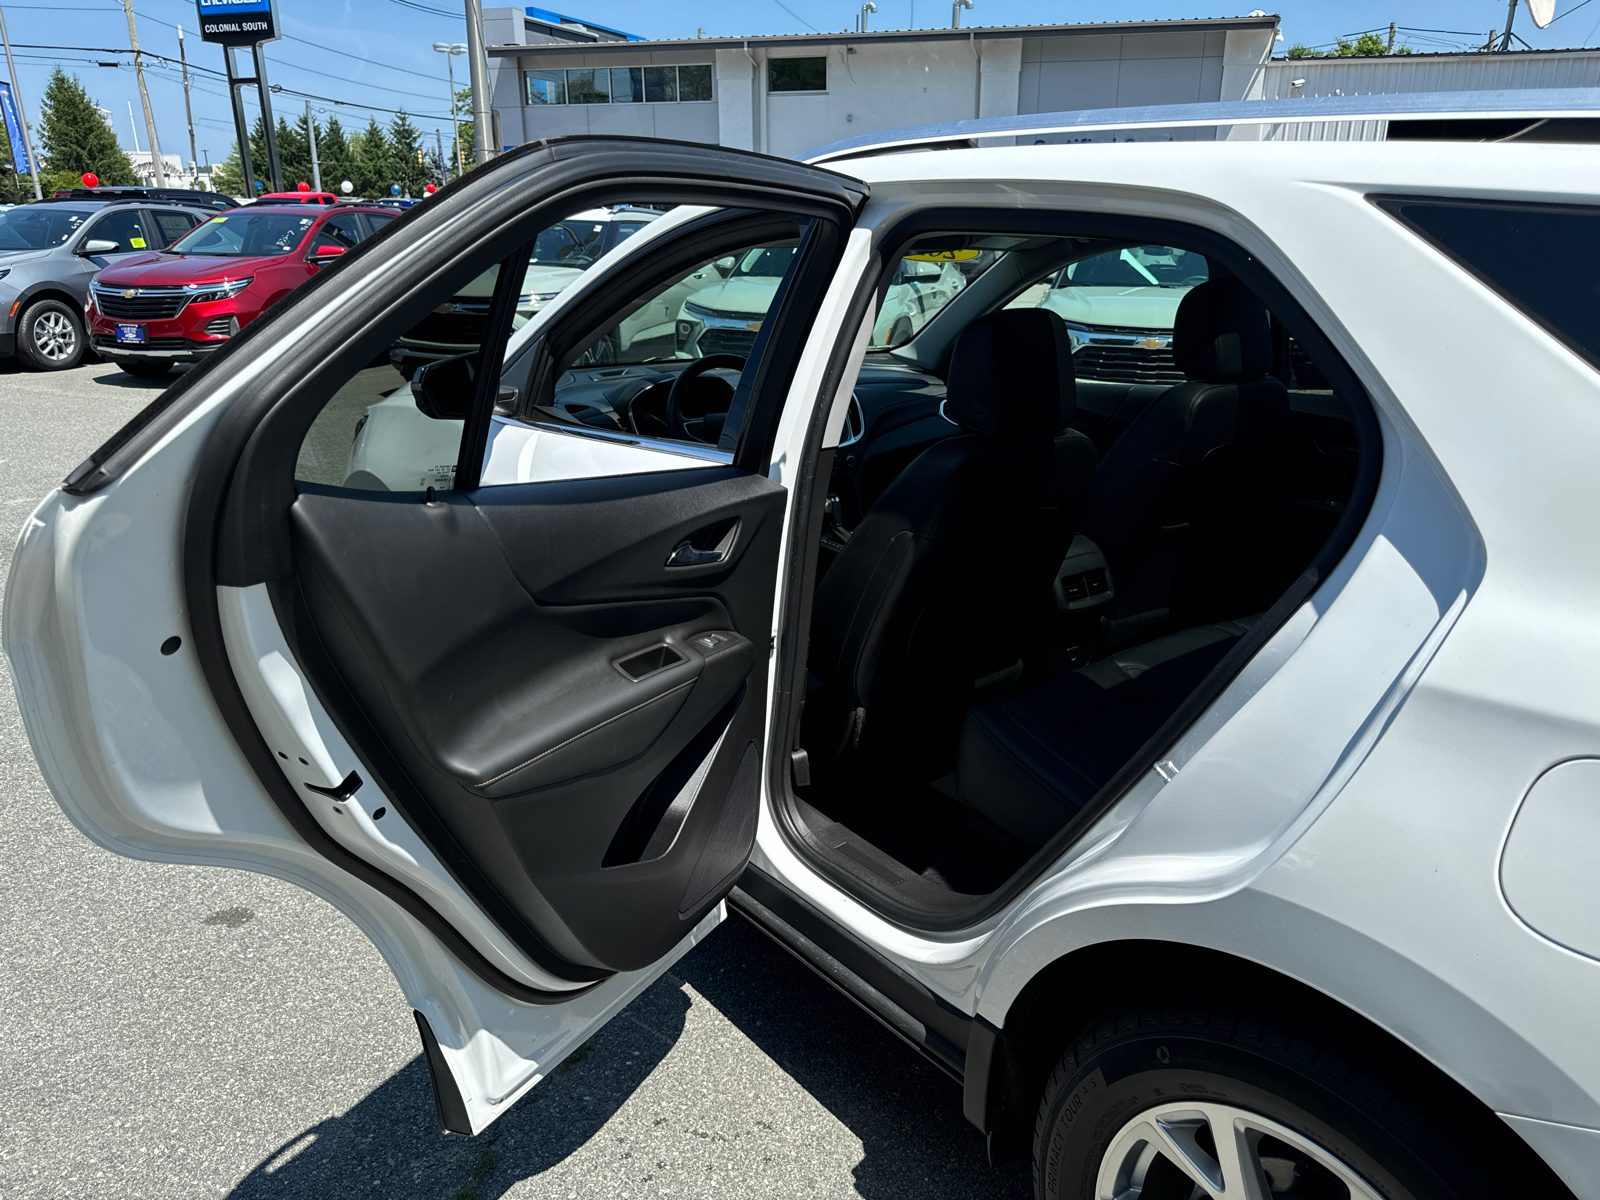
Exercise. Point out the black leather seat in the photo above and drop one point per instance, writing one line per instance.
(947, 578)
(1031, 759)
(1188, 494)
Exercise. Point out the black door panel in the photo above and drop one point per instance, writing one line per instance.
(554, 690)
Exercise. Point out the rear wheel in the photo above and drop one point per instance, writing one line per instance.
(146, 370)
(1188, 1099)
(50, 336)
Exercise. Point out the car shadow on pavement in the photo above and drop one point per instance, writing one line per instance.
(121, 379)
(905, 1113)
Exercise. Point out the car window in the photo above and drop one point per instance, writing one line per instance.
(172, 224)
(924, 281)
(237, 233)
(376, 221)
(559, 246)
(395, 424)
(30, 228)
(1531, 254)
(343, 230)
(123, 227)
(1119, 308)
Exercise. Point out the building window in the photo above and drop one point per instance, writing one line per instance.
(797, 75)
(694, 83)
(545, 87)
(620, 85)
(589, 87)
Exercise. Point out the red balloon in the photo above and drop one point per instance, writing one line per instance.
(431, 189)
(90, 179)
(304, 186)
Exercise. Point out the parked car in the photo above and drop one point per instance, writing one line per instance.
(561, 253)
(48, 254)
(215, 201)
(1202, 776)
(298, 198)
(151, 311)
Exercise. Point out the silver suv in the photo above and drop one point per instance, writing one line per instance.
(51, 250)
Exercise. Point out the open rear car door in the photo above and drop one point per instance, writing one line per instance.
(512, 728)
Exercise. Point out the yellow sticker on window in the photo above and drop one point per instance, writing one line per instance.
(943, 256)
(136, 243)
(216, 220)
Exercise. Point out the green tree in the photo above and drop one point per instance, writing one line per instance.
(410, 168)
(370, 161)
(228, 177)
(1365, 45)
(464, 123)
(333, 155)
(74, 137)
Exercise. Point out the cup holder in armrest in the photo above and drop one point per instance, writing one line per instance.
(648, 662)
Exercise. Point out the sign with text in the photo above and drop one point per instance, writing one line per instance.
(19, 144)
(238, 22)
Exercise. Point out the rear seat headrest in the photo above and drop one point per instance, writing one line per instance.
(1221, 334)
(1011, 376)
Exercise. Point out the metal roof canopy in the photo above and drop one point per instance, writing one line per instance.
(975, 33)
(1533, 104)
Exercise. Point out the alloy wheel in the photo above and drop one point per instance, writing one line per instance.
(1207, 1151)
(54, 336)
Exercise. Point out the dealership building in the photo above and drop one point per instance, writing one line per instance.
(552, 75)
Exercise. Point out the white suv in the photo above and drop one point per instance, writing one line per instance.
(1204, 775)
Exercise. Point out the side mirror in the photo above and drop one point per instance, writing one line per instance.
(323, 255)
(443, 389)
(100, 246)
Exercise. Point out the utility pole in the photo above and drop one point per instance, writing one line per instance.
(311, 136)
(438, 141)
(144, 96)
(1511, 15)
(22, 117)
(194, 158)
(478, 72)
(1390, 50)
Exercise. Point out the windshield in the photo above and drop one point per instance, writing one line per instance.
(247, 233)
(1137, 266)
(38, 228)
(770, 263)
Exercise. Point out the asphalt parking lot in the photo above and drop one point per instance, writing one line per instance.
(189, 1032)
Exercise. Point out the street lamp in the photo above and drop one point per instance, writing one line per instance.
(450, 51)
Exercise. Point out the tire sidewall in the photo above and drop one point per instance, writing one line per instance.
(1116, 1083)
(25, 334)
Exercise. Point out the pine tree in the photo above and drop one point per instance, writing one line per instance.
(333, 153)
(228, 177)
(405, 147)
(75, 138)
(294, 153)
(372, 166)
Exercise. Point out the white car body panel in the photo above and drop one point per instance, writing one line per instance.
(1354, 740)
(1338, 815)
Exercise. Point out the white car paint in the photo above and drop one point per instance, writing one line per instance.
(1340, 813)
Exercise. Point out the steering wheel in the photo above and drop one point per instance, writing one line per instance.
(677, 427)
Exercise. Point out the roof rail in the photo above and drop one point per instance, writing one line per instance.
(1537, 104)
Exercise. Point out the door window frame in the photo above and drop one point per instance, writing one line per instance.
(798, 578)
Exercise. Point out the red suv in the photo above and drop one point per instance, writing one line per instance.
(152, 310)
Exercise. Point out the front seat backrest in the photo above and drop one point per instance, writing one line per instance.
(949, 571)
(1196, 462)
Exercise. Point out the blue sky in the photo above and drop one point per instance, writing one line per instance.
(379, 52)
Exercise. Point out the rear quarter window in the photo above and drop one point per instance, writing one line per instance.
(1542, 258)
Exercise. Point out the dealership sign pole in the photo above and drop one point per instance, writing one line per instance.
(231, 24)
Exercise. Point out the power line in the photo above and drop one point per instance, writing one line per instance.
(786, 9)
(423, 8)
